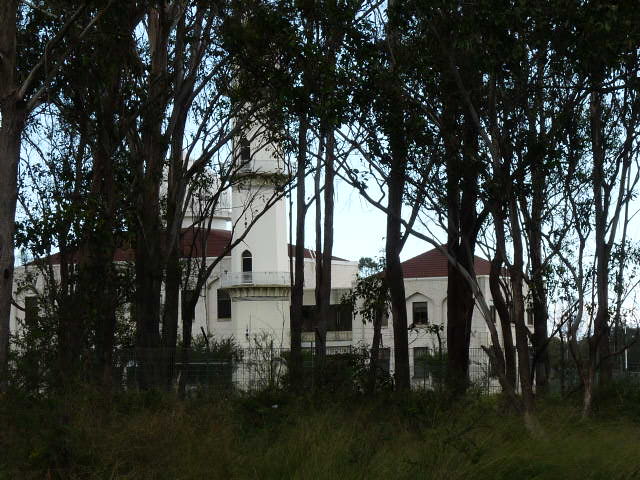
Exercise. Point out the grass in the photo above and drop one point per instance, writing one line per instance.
(275, 436)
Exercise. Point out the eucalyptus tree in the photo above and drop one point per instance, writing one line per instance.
(99, 101)
(184, 83)
(292, 57)
(33, 48)
(394, 148)
(603, 52)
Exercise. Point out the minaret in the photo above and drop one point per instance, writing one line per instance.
(258, 282)
(260, 169)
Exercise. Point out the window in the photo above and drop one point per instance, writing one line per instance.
(420, 362)
(245, 155)
(420, 313)
(224, 305)
(340, 318)
(245, 150)
(247, 261)
(31, 310)
(247, 267)
(492, 311)
(343, 318)
(308, 318)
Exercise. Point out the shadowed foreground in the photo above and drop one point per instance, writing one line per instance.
(136, 436)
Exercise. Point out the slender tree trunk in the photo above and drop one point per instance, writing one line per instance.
(188, 314)
(297, 292)
(600, 340)
(375, 353)
(539, 170)
(394, 276)
(149, 254)
(539, 297)
(522, 334)
(502, 310)
(10, 137)
(324, 290)
(99, 290)
(320, 320)
(11, 127)
(170, 315)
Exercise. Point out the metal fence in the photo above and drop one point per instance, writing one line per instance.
(254, 369)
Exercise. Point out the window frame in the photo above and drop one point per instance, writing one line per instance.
(426, 312)
(222, 296)
(246, 255)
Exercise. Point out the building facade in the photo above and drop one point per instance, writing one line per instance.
(247, 295)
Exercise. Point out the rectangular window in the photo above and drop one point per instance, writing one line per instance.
(420, 362)
(31, 310)
(340, 318)
(245, 150)
(492, 310)
(308, 318)
(344, 317)
(420, 313)
(224, 305)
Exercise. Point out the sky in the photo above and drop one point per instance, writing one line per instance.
(359, 228)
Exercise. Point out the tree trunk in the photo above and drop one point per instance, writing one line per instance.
(100, 288)
(600, 342)
(297, 291)
(10, 137)
(170, 315)
(394, 276)
(522, 334)
(539, 297)
(149, 254)
(320, 328)
(327, 249)
(375, 353)
(461, 199)
(188, 314)
(502, 310)
(11, 127)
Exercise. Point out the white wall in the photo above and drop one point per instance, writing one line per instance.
(267, 239)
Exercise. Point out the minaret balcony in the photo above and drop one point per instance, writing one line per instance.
(255, 279)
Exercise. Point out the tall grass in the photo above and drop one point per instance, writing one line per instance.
(275, 436)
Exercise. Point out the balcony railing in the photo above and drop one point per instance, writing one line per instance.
(238, 279)
(336, 336)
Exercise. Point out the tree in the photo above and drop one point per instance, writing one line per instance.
(370, 300)
(24, 81)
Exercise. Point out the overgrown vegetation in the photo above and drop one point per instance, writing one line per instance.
(275, 435)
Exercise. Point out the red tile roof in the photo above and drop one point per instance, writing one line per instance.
(435, 264)
(216, 242)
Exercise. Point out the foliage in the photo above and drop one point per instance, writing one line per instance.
(144, 436)
(369, 298)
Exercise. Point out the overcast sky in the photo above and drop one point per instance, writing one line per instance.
(359, 228)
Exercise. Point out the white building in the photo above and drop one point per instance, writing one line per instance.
(248, 293)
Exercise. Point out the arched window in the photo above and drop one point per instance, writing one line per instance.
(247, 261)
(224, 304)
